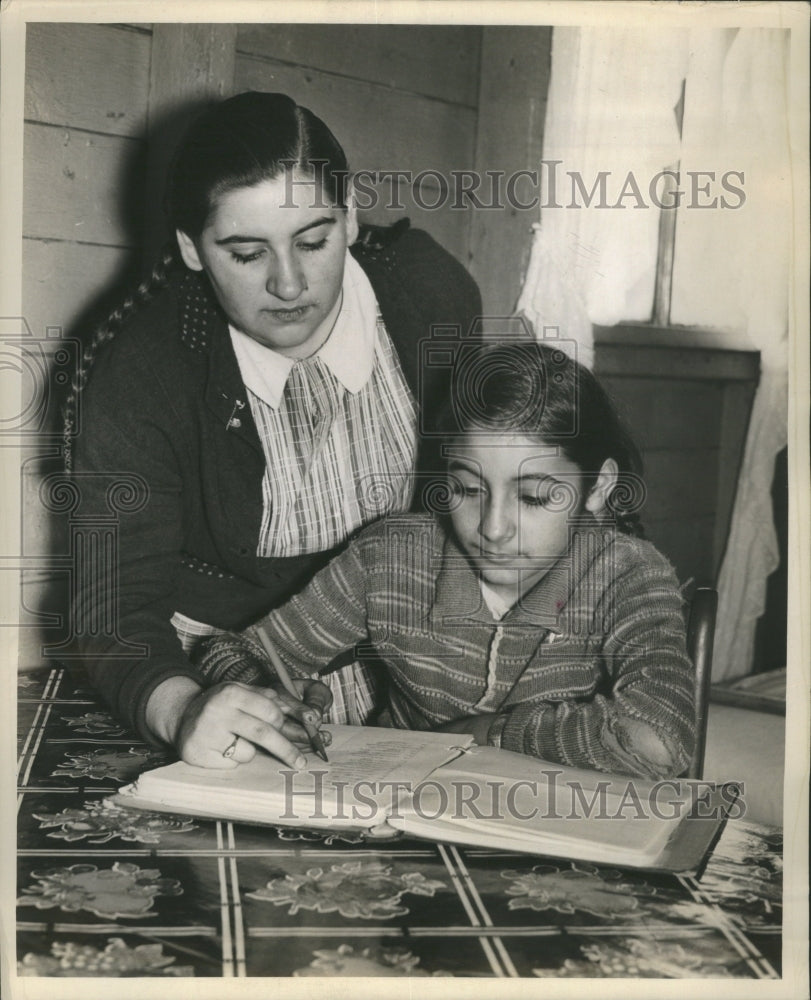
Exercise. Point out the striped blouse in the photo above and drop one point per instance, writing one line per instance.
(338, 431)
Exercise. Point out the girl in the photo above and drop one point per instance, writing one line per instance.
(527, 614)
(244, 396)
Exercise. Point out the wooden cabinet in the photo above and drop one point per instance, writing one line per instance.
(687, 407)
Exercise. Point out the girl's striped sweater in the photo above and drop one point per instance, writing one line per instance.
(590, 667)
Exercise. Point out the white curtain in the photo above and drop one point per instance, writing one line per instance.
(610, 109)
(731, 271)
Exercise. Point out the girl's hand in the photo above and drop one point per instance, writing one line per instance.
(477, 726)
(313, 701)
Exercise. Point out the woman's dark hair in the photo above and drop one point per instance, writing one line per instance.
(536, 390)
(237, 143)
(247, 139)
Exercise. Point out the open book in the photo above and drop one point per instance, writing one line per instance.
(441, 786)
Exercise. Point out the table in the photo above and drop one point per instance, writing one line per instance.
(112, 892)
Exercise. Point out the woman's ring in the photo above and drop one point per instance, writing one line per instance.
(231, 748)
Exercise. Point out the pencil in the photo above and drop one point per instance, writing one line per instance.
(307, 717)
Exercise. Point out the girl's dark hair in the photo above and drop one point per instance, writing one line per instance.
(237, 143)
(536, 390)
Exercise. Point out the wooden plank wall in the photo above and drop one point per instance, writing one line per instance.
(688, 411)
(516, 62)
(396, 99)
(84, 158)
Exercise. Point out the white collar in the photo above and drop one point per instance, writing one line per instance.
(348, 352)
(496, 604)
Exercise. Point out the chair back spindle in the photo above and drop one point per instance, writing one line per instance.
(700, 636)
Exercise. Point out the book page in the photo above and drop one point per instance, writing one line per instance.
(355, 788)
(496, 798)
(365, 753)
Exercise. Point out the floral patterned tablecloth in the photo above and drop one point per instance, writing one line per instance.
(104, 891)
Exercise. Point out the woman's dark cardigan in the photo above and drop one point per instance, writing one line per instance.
(165, 416)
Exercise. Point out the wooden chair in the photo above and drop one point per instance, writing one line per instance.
(700, 635)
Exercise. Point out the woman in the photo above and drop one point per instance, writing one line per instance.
(264, 389)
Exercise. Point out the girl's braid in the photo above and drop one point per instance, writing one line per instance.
(104, 333)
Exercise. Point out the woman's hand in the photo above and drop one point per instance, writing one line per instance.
(208, 722)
